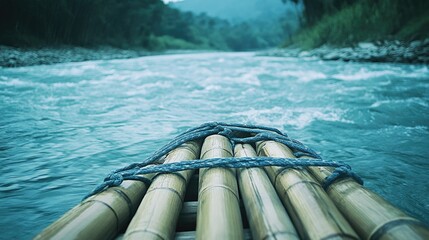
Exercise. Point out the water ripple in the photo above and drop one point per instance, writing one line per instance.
(63, 127)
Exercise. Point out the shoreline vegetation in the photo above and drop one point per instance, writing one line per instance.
(415, 52)
(56, 31)
(345, 23)
(129, 24)
(395, 51)
(362, 30)
(36, 32)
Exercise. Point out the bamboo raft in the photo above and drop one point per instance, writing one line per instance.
(246, 203)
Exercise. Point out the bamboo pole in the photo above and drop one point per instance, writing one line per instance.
(191, 235)
(157, 215)
(313, 213)
(370, 215)
(188, 216)
(218, 215)
(101, 216)
(267, 216)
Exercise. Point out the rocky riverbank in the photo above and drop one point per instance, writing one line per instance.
(382, 51)
(18, 57)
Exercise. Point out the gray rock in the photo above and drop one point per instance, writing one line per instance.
(304, 54)
(15, 57)
(415, 44)
(331, 56)
(367, 45)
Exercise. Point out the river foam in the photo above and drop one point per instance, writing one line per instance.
(64, 127)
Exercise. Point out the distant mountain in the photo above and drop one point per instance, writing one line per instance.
(238, 10)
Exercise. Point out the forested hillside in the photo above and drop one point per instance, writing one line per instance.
(153, 25)
(149, 24)
(239, 10)
(82, 22)
(261, 23)
(346, 22)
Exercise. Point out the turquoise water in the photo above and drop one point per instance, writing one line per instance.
(64, 127)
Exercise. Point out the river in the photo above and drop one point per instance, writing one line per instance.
(64, 127)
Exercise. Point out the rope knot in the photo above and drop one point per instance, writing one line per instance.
(226, 132)
(341, 172)
(236, 133)
(114, 179)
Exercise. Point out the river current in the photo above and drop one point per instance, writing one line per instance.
(64, 127)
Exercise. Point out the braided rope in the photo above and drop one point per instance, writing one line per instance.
(231, 131)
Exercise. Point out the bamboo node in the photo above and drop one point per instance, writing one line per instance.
(236, 134)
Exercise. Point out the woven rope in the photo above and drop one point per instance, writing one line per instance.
(231, 131)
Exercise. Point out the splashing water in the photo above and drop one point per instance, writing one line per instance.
(64, 127)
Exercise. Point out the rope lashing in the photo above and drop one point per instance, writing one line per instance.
(232, 132)
(341, 172)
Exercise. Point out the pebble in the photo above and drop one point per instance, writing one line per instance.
(18, 57)
(381, 51)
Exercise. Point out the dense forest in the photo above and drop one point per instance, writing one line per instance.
(148, 24)
(154, 25)
(346, 22)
